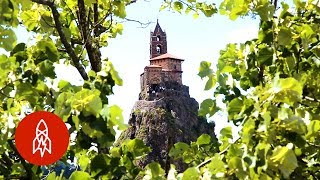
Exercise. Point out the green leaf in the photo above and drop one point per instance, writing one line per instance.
(18, 48)
(84, 162)
(248, 130)
(72, 4)
(154, 171)
(284, 37)
(75, 120)
(208, 9)
(87, 101)
(119, 28)
(191, 174)
(228, 69)
(119, 9)
(234, 8)
(265, 9)
(52, 176)
(285, 159)
(114, 115)
(137, 147)
(92, 132)
(235, 107)
(115, 152)
(76, 175)
(89, 2)
(208, 106)
(216, 165)
(9, 10)
(188, 9)
(205, 69)
(287, 90)
(313, 130)
(265, 56)
(203, 139)
(99, 165)
(291, 63)
(7, 38)
(7, 65)
(30, 19)
(195, 15)
(25, 91)
(62, 105)
(49, 49)
(226, 132)
(295, 124)
(115, 76)
(306, 34)
(178, 6)
(94, 106)
(47, 69)
(178, 149)
(210, 83)
(235, 164)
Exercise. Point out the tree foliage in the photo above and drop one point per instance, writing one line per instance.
(67, 32)
(269, 85)
(270, 88)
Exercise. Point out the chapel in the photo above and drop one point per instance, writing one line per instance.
(163, 68)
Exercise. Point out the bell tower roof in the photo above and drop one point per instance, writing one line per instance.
(158, 29)
(158, 42)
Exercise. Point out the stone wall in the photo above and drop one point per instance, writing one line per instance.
(164, 89)
(168, 64)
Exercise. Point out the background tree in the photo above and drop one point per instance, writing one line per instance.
(271, 91)
(69, 32)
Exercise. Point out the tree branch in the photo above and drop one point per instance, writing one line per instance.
(93, 51)
(95, 18)
(63, 37)
(23, 162)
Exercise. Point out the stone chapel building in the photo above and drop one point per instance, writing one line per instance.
(164, 68)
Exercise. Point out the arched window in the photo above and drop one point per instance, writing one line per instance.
(175, 67)
(158, 38)
(158, 49)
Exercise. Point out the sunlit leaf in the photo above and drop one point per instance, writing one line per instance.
(80, 175)
(285, 159)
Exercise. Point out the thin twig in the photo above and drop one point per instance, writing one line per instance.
(210, 159)
(142, 24)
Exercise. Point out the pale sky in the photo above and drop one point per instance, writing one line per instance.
(194, 40)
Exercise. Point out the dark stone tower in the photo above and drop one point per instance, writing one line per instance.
(165, 113)
(158, 42)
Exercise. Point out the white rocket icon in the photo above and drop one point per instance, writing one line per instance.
(41, 142)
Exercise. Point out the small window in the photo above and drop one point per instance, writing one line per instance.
(158, 38)
(158, 49)
(175, 67)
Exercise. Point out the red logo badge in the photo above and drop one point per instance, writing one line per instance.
(42, 138)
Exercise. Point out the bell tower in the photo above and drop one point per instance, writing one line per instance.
(158, 42)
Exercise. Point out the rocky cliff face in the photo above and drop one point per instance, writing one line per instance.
(164, 121)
